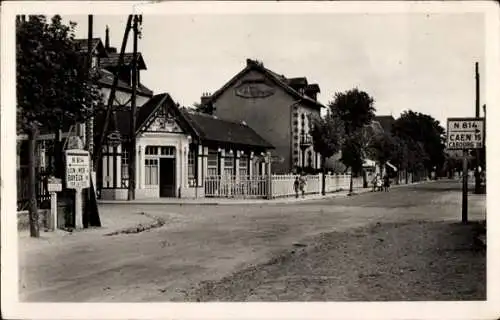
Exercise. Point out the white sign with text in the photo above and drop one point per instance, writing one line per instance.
(465, 133)
(77, 169)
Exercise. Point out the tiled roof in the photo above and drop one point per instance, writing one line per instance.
(218, 130)
(203, 127)
(82, 46)
(106, 78)
(385, 122)
(280, 80)
(112, 60)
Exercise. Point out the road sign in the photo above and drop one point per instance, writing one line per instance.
(77, 169)
(465, 133)
(54, 185)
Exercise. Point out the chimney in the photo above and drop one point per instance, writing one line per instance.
(205, 97)
(106, 45)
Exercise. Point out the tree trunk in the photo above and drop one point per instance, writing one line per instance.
(350, 182)
(365, 180)
(33, 208)
(323, 177)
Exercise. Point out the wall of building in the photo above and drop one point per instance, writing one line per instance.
(269, 116)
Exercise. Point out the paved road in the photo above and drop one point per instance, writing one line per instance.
(211, 242)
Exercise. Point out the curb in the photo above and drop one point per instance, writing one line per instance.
(228, 202)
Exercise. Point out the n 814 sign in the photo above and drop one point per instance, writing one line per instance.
(77, 169)
(465, 133)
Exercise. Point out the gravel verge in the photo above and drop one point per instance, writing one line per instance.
(413, 261)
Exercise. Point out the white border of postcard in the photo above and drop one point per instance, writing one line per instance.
(11, 308)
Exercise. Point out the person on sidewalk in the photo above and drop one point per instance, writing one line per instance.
(387, 183)
(302, 185)
(296, 186)
(375, 182)
(379, 183)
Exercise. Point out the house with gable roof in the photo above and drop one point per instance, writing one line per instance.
(182, 154)
(276, 107)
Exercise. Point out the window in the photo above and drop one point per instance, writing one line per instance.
(167, 151)
(229, 165)
(151, 171)
(243, 170)
(124, 165)
(212, 164)
(192, 168)
(151, 150)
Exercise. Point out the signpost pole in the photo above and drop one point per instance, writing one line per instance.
(465, 185)
(53, 210)
(78, 209)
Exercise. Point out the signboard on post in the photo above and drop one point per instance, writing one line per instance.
(78, 178)
(54, 185)
(77, 169)
(465, 133)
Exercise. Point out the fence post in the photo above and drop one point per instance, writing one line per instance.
(269, 176)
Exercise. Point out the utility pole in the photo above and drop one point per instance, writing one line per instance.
(90, 122)
(112, 94)
(133, 113)
(477, 182)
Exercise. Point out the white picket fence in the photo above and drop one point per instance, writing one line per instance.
(236, 186)
(281, 185)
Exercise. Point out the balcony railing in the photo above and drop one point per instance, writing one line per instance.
(305, 140)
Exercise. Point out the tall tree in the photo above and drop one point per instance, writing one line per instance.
(327, 134)
(356, 110)
(425, 137)
(52, 86)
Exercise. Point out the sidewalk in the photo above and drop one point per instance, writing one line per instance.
(237, 201)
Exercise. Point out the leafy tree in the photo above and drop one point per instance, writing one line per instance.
(53, 86)
(327, 134)
(425, 137)
(355, 109)
(382, 147)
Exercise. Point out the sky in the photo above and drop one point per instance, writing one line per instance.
(421, 62)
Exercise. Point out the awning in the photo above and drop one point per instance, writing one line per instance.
(392, 166)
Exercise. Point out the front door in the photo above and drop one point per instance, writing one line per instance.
(167, 177)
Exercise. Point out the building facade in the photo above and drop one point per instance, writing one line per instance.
(181, 154)
(276, 107)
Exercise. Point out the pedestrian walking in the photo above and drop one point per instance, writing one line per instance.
(375, 182)
(379, 183)
(387, 183)
(296, 186)
(302, 185)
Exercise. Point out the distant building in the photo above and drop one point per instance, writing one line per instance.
(277, 108)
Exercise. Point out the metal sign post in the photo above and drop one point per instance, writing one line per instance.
(78, 178)
(54, 185)
(465, 188)
(465, 134)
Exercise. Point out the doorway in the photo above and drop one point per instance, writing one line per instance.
(167, 177)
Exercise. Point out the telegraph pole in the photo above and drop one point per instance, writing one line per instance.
(477, 182)
(133, 111)
(112, 94)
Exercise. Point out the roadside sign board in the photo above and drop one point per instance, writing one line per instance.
(54, 185)
(77, 169)
(465, 133)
